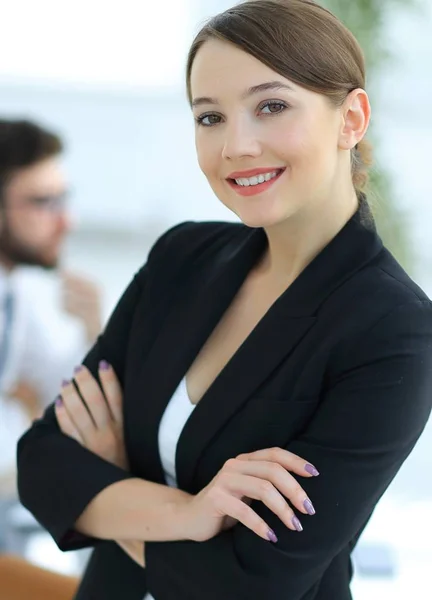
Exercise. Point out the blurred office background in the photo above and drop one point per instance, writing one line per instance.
(108, 76)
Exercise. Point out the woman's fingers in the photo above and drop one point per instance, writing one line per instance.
(104, 404)
(77, 412)
(266, 492)
(65, 422)
(243, 513)
(287, 459)
(92, 394)
(112, 390)
(272, 476)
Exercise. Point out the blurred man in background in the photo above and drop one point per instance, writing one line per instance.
(48, 318)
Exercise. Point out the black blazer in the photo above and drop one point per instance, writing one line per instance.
(338, 371)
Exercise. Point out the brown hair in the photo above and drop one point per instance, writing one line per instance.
(23, 144)
(303, 42)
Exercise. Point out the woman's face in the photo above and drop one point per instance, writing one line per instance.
(268, 151)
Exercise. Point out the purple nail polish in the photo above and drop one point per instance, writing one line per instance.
(65, 383)
(272, 536)
(311, 470)
(103, 365)
(309, 506)
(78, 369)
(59, 401)
(297, 524)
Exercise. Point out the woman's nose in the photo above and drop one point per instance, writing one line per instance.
(240, 141)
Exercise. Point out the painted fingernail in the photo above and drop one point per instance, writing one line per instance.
(58, 401)
(272, 536)
(103, 365)
(297, 524)
(309, 506)
(311, 470)
(65, 383)
(78, 369)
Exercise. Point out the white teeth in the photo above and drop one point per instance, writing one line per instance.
(257, 179)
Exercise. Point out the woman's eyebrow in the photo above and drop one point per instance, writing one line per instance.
(255, 89)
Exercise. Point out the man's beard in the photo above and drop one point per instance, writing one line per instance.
(17, 253)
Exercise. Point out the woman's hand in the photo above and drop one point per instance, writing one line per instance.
(96, 423)
(261, 475)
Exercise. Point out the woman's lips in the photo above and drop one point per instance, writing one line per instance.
(253, 190)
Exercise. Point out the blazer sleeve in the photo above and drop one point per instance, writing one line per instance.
(370, 417)
(57, 477)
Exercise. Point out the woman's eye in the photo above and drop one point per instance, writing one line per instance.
(208, 120)
(273, 108)
(269, 108)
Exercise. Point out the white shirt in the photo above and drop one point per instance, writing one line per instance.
(172, 423)
(44, 347)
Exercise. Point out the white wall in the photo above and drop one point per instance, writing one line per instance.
(132, 43)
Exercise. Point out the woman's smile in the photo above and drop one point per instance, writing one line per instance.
(255, 181)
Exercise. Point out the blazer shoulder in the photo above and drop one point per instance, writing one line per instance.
(380, 297)
(381, 286)
(392, 276)
(386, 302)
(191, 240)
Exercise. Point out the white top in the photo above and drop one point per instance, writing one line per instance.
(45, 344)
(176, 414)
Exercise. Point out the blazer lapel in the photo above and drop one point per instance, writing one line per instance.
(195, 312)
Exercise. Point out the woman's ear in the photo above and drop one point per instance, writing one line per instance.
(356, 113)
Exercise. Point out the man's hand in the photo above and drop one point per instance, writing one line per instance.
(28, 397)
(82, 299)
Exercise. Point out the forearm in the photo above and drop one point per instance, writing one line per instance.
(135, 510)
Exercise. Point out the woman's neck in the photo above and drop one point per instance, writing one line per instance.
(294, 243)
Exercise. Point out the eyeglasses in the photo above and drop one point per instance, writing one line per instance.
(49, 203)
(54, 203)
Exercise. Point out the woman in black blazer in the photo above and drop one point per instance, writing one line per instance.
(296, 330)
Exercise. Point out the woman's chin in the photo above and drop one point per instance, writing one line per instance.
(257, 212)
(258, 219)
